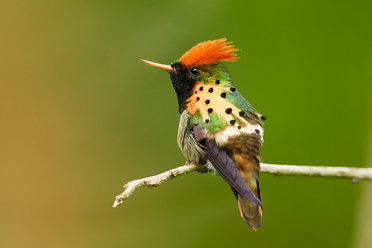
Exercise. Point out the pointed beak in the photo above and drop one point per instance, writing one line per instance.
(166, 67)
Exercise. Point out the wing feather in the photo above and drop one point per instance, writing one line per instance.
(224, 165)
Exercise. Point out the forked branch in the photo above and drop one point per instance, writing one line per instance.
(355, 174)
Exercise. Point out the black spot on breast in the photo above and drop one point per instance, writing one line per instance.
(207, 101)
(232, 89)
(198, 98)
(201, 88)
(228, 110)
(206, 120)
(223, 94)
(210, 110)
(232, 122)
(217, 81)
(210, 90)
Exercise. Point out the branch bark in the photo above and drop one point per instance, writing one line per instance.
(355, 174)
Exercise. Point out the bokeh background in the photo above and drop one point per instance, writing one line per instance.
(80, 115)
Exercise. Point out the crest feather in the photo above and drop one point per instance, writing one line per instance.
(209, 52)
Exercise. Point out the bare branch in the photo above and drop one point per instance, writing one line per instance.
(153, 181)
(355, 174)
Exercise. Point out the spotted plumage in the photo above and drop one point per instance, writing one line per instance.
(218, 127)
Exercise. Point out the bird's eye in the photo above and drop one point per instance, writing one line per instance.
(195, 71)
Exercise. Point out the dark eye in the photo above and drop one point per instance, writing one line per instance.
(195, 71)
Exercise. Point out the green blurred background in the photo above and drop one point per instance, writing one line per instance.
(80, 115)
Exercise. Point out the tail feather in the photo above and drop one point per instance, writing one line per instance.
(245, 152)
(251, 213)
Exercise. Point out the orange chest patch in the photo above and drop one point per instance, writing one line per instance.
(211, 98)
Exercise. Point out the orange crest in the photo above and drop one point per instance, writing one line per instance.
(209, 52)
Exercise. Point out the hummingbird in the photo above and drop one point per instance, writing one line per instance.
(218, 128)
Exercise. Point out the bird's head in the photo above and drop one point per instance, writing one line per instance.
(200, 65)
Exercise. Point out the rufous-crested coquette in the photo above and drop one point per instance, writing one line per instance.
(218, 128)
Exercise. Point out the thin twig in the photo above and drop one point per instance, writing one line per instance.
(355, 174)
(153, 181)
